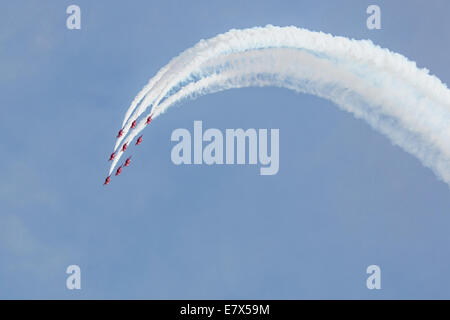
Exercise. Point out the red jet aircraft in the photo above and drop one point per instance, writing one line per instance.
(119, 170)
(112, 156)
(127, 162)
(133, 125)
(120, 133)
(108, 178)
(124, 147)
(149, 119)
(139, 140)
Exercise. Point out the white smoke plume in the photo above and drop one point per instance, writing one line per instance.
(395, 97)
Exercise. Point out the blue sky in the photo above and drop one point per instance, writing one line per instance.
(344, 198)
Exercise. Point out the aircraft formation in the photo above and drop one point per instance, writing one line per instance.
(124, 148)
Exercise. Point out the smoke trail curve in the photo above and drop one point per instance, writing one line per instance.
(413, 112)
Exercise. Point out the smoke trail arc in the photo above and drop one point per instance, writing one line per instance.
(405, 103)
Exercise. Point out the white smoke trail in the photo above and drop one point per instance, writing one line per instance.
(180, 69)
(126, 124)
(177, 62)
(291, 37)
(141, 95)
(413, 112)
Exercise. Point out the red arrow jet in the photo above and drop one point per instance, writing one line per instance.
(127, 162)
(108, 178)
(149, 119)
(119, 170)
(124, 147)
(112, 156)
(139, 140)
(120, 133)
(133, 125)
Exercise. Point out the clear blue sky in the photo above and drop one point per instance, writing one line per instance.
(344, 198)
